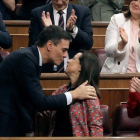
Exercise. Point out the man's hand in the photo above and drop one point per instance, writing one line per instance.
(46, 20)
(84, 91)
(71, 21)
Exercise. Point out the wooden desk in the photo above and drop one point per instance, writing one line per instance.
(113, 87)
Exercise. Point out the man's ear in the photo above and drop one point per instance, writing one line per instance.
(49, 45)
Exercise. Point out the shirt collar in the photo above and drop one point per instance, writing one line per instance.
(56, 11)
(40, 57)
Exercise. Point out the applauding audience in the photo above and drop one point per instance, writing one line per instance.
(122, 45)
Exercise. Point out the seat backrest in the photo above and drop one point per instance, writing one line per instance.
(106, 120)
(4, 53)
(123, 125)
(100, 53)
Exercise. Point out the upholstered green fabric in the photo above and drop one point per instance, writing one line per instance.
(102, 10)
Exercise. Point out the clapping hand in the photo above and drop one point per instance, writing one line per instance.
(71, 21)
(46, 20)
(134, 85)
(123, 35)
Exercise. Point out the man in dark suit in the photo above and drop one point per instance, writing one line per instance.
(76, 22)
(20, 90)
(5, 38)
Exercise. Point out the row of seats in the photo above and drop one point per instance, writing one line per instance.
(122, 125)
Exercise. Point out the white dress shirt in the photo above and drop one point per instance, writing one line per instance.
(68, 94)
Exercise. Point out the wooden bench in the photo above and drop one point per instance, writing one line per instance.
(19, 32)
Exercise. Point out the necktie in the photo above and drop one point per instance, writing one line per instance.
(61, 19)
(60, 68)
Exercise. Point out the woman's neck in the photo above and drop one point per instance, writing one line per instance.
(135, 21)
(73, 79)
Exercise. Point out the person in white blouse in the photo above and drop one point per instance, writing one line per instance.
(122, 44)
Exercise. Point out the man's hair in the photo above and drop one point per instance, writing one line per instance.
(90, 70)
(53, 33)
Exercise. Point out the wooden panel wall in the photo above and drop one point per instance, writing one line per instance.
(20, 36)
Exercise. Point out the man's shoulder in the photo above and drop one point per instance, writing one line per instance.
(76, 6)
(41, 8)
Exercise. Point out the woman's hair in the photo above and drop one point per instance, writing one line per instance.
(90, 71)
(127, 13)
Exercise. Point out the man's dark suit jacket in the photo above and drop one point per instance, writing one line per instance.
(20, 90)
(5, 38)
(84, 37)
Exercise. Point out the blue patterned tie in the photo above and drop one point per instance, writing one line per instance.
(60, 68)
(61, 19)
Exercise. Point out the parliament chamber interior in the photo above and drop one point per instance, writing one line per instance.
(114, 88)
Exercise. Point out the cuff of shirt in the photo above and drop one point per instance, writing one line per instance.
(75, 31)
(69, 97)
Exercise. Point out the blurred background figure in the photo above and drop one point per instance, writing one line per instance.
(7, 9)
(102, 10)
(122, 45)
(28, 6)
(5, 38)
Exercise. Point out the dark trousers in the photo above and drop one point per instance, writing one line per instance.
(9, 126)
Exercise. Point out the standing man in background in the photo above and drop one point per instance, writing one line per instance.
(75, 20)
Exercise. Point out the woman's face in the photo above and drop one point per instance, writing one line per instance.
(135, 8)
(73, 66)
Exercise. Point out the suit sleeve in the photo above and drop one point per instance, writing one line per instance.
(133, 104)
(94, 118)
(34, 29)
(84, 37)
(28, 79)
(5, 38)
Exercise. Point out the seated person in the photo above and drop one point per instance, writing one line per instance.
(133, 102)
(122, 45)
(5, 38)
(102, 10)
(7, 8)
(81, 118)
(28, 6)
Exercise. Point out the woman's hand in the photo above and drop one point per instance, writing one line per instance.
(123, 35)
(134, 85)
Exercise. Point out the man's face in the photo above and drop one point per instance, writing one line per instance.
(59, 52)
(60, 4)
